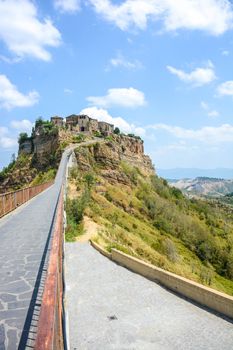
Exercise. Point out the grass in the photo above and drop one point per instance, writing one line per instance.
(156, 223)
(73, 231)
(43, 177)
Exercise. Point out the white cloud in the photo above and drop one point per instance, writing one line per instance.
(5, 141)
(122, 124)
(198, 77)
(211, 113)
(9, 59)
(226, 88)
(22, 125)
(207, 134)
(225, 53)
(10, 97)
(205, 106)
(24, 33)
(68, 91)
(121, 61)
(174, 147)
(3, 130)
(69, 6)
(125, 97)
(212, 16)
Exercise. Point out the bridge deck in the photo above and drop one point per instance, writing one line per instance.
(112, 308)
(24, 236)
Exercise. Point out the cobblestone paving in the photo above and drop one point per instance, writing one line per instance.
(111, 308)
(23, 237)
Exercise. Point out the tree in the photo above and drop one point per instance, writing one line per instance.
(38, 122)
(90, 180)
(23, 136)
(117, 131)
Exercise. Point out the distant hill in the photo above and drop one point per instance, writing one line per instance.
(192, 173)
(204, 186)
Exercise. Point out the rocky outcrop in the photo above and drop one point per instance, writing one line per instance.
(45, 146)
(110, 156)
(26, 146)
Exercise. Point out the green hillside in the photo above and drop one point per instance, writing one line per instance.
(141, 215)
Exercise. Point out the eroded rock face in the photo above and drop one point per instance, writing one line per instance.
(44, 147)
(110, 155)
(26, 147)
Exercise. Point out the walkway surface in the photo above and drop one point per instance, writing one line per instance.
(110, 308)
(24, 237)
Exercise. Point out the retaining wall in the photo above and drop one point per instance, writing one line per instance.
(208, 297)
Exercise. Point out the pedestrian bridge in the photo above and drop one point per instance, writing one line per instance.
(71, 297)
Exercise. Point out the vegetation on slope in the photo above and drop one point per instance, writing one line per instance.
(157, 223)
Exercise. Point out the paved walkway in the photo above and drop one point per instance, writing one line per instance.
(24, 235)
(111, 308)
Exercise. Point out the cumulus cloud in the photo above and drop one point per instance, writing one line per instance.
(125, 97)
(198, 77)
(103, 115)
(5, 140)
(10, 97)
(24, 33)
(212, 16)
(206, 134)
(226, 88)
(69, 6)
(22, 125)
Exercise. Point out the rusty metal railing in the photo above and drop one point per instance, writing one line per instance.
(11, 200)
(50, 324)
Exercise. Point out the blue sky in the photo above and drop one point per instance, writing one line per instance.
(162, 71)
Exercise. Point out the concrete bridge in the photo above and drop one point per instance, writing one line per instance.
(106, 306)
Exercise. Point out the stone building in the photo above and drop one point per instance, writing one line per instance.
(58, 121)
(105, 128)
(83, 123)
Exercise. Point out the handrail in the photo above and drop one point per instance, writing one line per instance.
(50, 324)
(11, 200)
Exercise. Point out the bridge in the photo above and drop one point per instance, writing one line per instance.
(92, 303)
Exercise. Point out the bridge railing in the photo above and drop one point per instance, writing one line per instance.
(11, 200)
(50, 324)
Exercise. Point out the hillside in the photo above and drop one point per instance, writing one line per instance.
(38, 157)
(115, 187)
(204, 186)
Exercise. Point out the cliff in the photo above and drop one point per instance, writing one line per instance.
(114, 184)
(112, 154)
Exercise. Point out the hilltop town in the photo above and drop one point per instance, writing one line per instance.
(47, 134)
(40, 152)
(83, 123)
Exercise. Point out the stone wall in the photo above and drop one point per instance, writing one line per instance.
(26, 147)
(208, 297)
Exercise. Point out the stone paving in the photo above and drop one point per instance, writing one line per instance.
(24, 237)
(24, 250)
(111, 308)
